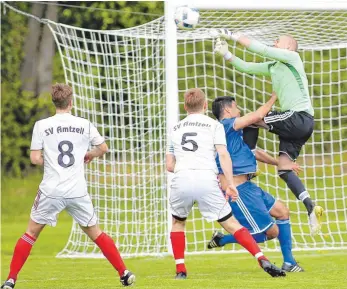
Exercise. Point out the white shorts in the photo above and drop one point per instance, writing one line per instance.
(201, 187)
(45, 210)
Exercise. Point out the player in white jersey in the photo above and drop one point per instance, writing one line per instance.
(194, 142)
(60, 143)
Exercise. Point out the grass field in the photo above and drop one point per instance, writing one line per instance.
(324, 269)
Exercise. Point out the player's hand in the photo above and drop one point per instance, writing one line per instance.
(296, 168)
(231, 192)
(87, 158)
(221, 33)
(274, 95)
(222, 48)
(292, 166)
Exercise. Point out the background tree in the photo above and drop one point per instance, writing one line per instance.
(30, 63)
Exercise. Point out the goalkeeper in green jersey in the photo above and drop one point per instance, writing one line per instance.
(294, 122)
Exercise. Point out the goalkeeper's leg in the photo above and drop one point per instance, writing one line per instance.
(296, 186)
(294, 130)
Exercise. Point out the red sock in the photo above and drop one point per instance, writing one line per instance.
(110, 251)
(178, 242)
(245, 239)
(20, 255)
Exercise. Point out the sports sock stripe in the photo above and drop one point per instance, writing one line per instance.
(28, 240)
(179, 261)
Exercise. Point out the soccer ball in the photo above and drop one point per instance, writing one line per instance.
(187, 17)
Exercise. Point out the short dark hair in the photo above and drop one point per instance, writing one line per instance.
(219, 104)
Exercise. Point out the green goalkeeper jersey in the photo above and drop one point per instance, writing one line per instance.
(287, 73)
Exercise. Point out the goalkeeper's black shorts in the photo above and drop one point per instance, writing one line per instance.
(294, 129)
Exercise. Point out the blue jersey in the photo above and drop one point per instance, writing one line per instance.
(243, 159)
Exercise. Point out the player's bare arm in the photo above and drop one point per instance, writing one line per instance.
(226, 165)
(170, 162)
(36, 157)
(97, 151)
(256, 116)
(264, 157)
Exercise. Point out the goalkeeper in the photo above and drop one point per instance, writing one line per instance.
(294, 122)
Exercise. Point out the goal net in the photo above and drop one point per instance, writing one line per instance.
(119, 80)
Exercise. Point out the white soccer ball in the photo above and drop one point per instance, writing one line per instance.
(187, 17)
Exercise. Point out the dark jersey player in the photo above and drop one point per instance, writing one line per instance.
(255, 208)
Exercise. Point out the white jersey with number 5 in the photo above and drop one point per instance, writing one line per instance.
(193, 141)
(64, 139)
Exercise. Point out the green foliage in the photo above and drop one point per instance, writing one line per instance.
(110, 19)
(21, 109)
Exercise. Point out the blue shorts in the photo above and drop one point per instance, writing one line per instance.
(252, 208)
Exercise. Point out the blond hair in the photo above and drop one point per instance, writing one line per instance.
(61, 95)
(194, 100)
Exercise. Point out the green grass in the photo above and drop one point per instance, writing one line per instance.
(324, 269)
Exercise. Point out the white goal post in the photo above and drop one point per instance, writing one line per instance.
(130, 84)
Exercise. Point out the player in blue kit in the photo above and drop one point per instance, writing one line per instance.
(255, 208)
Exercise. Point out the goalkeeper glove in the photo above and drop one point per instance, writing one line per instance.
(221, 48)
(224, 34)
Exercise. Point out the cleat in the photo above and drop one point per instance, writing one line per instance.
(214, 243)
(315, 219)
(128, 278)
(181, 275)
(9, 284)
(292, 268)
(271, 269)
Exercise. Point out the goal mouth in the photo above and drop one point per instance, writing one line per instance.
(130, 85)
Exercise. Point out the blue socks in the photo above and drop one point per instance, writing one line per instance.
(285, 238)
(229, 239)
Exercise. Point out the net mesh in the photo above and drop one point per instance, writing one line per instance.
(119, 82)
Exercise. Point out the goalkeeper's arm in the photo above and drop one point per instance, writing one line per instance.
(255, 46)
(262, 69)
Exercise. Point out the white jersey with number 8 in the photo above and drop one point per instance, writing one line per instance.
(64, 139)
(193, 141)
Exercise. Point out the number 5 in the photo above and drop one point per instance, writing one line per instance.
(185, 141)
